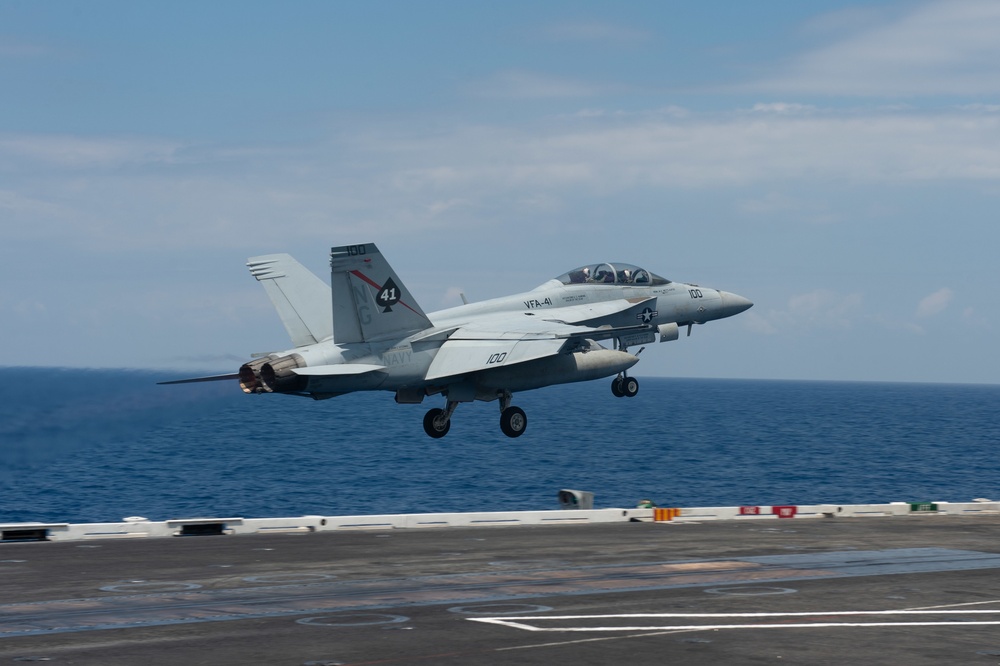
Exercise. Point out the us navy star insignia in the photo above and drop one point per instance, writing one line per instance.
(647, 315)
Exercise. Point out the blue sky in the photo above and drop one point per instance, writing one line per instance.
(838, 163)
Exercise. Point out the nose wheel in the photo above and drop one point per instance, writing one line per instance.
(624, 386)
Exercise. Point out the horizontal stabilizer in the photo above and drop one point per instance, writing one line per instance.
(339, 370)
(301, 299)
(194, 380)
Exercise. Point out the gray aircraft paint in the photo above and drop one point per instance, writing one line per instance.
(367, 332)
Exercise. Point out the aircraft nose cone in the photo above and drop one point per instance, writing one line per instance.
(733, 304)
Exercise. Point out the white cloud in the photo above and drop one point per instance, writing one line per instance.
(595, 31)
(938, 48)
(521, 84)
(13, 47)
(782, 107)
(16, 204)
(841, 22)
(617, 153)
(146, 191)
(437, 208)
(819, 309)
(68, 151)
(758, 323)
(452, 297)
(771, 204)
(974, 320)
(983, 108)
(666, 112)
(824, 306)
(934, 304)
(829, 310)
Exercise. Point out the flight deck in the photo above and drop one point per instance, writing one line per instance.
(916, 588)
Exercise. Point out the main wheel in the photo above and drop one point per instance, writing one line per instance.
(513, 421)
(433, 427)
(630, 386)
(617, 387)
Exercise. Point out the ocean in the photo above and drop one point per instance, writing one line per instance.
(100, 445)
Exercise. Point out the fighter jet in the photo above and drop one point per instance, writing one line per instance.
(366, 332)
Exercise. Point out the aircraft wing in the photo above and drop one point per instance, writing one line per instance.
(503, 340)
(460, 356)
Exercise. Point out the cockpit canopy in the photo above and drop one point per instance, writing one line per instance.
(616, 273)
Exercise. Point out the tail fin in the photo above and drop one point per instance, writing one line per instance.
(301, 299)
(370, 302)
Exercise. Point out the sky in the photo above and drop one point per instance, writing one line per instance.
(837, 163)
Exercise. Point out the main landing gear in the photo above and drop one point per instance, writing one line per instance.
(513, 420)
(437, 421)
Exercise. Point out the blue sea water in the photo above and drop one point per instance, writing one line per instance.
(99, 445)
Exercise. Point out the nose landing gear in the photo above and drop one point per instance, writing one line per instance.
(624, 386)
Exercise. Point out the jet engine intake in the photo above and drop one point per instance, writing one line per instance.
(277, 375)
(668, 332)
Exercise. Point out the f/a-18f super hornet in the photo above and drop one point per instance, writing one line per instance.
(366, 332)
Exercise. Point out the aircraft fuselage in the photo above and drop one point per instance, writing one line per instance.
(365, 332)
(409, 358)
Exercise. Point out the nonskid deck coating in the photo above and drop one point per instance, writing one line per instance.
(182, 602)
(69, 602)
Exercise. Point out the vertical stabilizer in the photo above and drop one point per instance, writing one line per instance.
(301, 299)
(370, 302)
